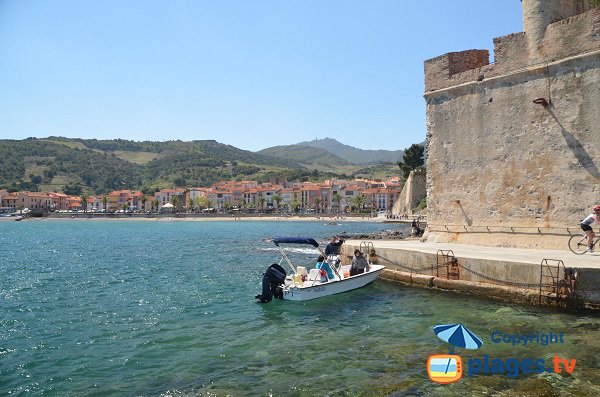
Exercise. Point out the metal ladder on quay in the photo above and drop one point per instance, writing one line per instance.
(549, 278)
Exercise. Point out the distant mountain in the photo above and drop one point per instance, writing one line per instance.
(304, 154)
(355, 155)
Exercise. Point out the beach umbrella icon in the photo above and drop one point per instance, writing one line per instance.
(458, 336)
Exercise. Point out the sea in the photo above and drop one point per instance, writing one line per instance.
(158, 308)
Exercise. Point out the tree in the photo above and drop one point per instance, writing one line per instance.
(190, 205)
(358, 202)
(84, 201)
(143, 199)
(278, 199)
(413, 158)
(261, 203)
(337, 199)
(104, 201)
(155, 203)
(317, 202)
(176, 201)
(296, 206)
(72, 189)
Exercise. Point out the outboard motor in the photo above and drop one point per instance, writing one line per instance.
(273, 278)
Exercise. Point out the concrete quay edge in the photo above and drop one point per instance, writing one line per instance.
(412, 262)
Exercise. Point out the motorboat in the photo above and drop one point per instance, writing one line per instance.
(304, 283)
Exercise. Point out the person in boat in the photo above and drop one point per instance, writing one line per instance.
(326, 270)
(333, 247)
(359, 264)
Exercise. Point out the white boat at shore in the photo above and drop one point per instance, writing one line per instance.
(303, 285)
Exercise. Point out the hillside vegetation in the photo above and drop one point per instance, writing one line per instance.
(355, 155)
(100, 166)
(305, 155)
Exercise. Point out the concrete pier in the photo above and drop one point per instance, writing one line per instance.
(505, 274)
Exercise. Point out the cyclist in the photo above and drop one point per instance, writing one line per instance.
(587, 228)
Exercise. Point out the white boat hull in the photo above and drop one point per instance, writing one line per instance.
(313, 290)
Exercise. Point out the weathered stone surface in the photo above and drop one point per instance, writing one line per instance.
(497, 159)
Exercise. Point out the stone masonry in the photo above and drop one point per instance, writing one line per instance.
(513, 148)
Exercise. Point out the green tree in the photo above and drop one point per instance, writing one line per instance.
(84, 202)
(358, 202)
(278, 199)
(155, 203)
(413, 158)
(337, 199)
(261, 203)
(296, 206)
(176, 201)
(190, 205)
(72, 189)
(317, 203)
(104, 201)
(143, 199)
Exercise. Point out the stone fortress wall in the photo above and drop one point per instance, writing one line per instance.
(513, 148)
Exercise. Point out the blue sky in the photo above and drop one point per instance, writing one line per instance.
(252, 74)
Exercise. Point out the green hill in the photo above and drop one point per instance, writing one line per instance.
(99, 166)
(355, 155)
(305, 155)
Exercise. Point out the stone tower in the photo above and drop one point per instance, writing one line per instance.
(538, 14)
(513, 147)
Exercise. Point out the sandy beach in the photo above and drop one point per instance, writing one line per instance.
(204, 218)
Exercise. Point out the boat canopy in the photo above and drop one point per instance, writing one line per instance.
(295, 240)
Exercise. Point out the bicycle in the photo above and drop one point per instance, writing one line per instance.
(578, 244)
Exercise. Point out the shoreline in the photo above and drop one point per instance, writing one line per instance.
(204, 218)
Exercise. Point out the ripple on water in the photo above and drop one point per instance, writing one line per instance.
(167, 309)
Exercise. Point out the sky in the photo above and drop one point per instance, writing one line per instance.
(248, 73)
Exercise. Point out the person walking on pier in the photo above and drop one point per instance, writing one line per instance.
(586, 226)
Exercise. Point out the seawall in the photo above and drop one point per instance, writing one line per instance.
(512, 275)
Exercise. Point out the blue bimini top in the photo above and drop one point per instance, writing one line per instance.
(295, 240)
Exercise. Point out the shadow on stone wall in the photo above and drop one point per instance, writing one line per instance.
(578, 150)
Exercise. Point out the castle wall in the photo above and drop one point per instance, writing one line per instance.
(413, 192)
(501, 169)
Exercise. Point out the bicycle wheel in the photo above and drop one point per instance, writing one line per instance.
(578, 244)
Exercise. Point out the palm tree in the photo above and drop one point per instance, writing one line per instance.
(191, 205)
(104, 201)
(317, 202)
(84, 201)
(278, 199)
(143, 199)
(155, 204)
(296, 206)
(337, 199)
(176, 201)
(261, 203)
(358, 202)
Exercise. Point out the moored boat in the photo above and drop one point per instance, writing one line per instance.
(302, 284)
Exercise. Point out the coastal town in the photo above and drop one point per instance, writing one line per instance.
(330, 196)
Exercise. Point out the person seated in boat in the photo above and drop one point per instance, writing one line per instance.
(326, 270)
(359, 264)
(333, 247)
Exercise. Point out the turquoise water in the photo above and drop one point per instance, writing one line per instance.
(93, 308)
